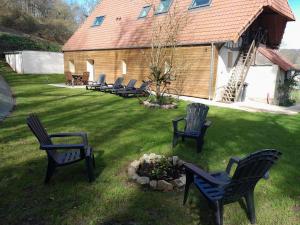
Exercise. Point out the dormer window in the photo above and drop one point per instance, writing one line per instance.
(145, 11)
(98, 21)
(163, 6)
(200, 3)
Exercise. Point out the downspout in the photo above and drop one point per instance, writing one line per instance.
(211, 77)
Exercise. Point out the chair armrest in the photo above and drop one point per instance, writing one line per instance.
(231, 162)
(78, 134)
(175, 122)
(201, 173)
(62, 146)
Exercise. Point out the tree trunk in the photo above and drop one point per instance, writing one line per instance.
(157, 92)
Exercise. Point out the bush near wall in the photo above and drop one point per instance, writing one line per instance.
(19, 43)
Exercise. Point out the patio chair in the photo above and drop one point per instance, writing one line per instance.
(195, 124)
(128, 87)
(135, 91)
(69, 78)
(92, 85)
(116, 85)
(220, 188)
(85, 78)
(62, 154)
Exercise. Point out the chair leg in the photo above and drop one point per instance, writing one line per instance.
(175, 140)
(89, 168)
(250, 207)
(183, 138)
(94, 163)
(219, 209)
(50, 170)
(199, 144)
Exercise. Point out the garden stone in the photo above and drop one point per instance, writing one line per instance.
(135, 164)
(175, 160)
(131, 171)
(164, 185)
(143, 180)
(180, 162)
(183, 179)
(178, 183)
(153, 184)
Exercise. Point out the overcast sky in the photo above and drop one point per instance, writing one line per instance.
(291, 37)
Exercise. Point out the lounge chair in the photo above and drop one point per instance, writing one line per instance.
(135, 91)
(116, 85)
(195, 124)
(99, 83)
(73, 152)
(128, 87)
(221, 188)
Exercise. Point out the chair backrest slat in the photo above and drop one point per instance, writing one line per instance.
(144, 86)
(249, 171)
(131, 84)
(196, 116)
(38, 130)
(101, 79)
(118, 82)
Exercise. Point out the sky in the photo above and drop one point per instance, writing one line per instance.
(291, 38)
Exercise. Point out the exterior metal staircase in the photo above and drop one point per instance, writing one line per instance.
(239, 73)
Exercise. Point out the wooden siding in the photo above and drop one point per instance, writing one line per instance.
(195, 82)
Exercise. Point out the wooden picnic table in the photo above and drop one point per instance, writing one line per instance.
(76, 78)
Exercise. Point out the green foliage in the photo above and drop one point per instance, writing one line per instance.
(13, 42)
(161, 169)
(286, 90)
(120, 131)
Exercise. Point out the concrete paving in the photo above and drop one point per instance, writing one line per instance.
(7, 101)
(248, 106)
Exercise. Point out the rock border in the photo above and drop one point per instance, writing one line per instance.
(159, 185)
(157, 106)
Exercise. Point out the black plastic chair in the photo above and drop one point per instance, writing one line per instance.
(116, 85)
(73, 152)
(128, 87)
(220, 188)
(135, 91)
(99, 83)
(195, 124)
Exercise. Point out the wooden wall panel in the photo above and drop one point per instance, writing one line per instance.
(195, 82)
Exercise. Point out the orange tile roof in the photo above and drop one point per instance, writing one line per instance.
(223, 20)
(275, 58)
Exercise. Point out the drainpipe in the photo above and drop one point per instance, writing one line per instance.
(211, 77)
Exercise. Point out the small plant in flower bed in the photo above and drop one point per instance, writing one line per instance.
(160, 170)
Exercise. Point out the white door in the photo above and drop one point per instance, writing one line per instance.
(90, 69)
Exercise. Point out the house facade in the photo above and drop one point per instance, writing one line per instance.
(219, 41)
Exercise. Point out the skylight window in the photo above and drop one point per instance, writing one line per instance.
(163, 6)
(98, 21)
(145, 11)
(200, 3)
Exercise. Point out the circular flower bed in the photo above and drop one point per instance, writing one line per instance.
(156, 105)
(158, 172)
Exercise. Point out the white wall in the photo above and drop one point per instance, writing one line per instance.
(42, 62)
(224, 72)
(36, 62)
(263, 83)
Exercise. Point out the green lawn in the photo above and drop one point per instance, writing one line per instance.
(121, 130)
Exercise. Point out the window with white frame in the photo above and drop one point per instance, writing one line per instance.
(145, 11)
(72, 66)
(163, 6)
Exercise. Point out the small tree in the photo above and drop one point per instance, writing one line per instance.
(287, 88)
(164, 62)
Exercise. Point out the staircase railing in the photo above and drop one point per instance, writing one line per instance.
(247, 63)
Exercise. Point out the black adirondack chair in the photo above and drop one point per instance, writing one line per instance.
(195, 124)
(221, 188)
(73, 152)
(135, 91)
(99, 83)
(116, 85)
(128, 87)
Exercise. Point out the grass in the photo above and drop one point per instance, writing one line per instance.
(121, 130)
